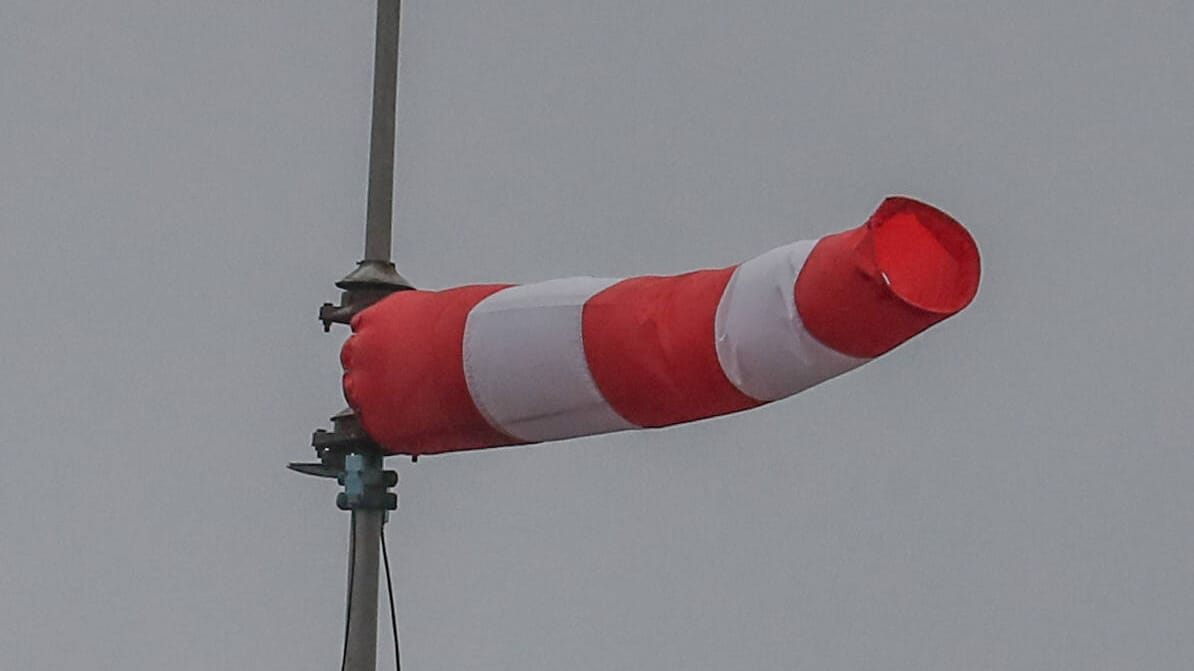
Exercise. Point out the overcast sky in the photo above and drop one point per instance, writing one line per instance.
(181, 183)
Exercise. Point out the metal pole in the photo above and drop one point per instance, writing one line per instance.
(360, 645)
(346, 453)
(380, 211)
(360, 653)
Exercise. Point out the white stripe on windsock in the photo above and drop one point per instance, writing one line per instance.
(762, 345)
(524, 362)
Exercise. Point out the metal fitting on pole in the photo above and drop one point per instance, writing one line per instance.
(366, 485)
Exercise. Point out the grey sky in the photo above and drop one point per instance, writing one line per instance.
(180, 183)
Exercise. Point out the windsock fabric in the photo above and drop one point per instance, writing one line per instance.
(491, 365)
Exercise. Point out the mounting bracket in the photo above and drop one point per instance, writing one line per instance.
(347, 454)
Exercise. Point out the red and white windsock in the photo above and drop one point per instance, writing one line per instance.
(490, 365)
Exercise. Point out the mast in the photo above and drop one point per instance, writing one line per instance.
(346, 452)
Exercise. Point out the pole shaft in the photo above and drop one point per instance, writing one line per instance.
(361, 643)
(379, 216)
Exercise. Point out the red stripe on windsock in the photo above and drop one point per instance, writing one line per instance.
(650, 346)
(404, 373)
(865, 291)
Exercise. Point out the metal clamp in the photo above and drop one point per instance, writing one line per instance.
(347, 454)
(366, 485)
(371, 281)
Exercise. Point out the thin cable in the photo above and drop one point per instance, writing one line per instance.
(352, 560)
(385, 556)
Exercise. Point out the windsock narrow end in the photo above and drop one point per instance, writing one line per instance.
(865, 291)
(925, 256)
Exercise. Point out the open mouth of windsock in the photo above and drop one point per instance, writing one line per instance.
(927, 258)
(864, 291)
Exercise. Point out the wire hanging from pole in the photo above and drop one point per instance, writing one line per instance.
(385, 557)
(352, 553)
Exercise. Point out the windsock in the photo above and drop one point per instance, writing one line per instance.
(490, 365)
